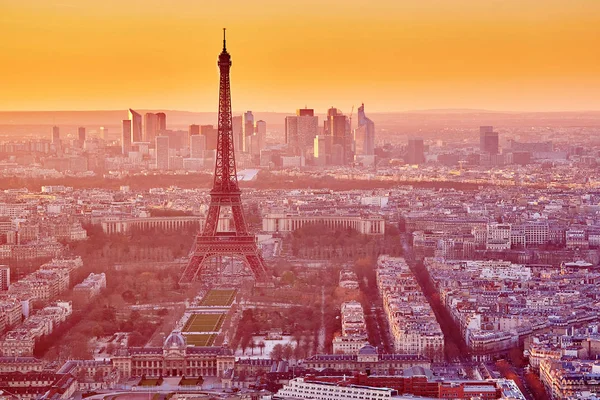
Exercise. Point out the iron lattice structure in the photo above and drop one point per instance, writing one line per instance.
(225, 193)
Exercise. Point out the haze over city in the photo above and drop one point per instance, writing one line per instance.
(323, 200)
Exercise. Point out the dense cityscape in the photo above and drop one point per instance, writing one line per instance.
(319, 254)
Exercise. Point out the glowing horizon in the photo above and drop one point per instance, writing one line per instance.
(392, 55)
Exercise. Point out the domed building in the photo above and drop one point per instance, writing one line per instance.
(175, 358)
(175, 341)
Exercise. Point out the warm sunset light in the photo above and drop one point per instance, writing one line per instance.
(392, 54)
(307, 200)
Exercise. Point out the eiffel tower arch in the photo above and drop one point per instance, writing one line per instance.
(238, 243)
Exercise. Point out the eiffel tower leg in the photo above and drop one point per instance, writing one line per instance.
(192, 269)
(238, 219)
(257, 265)
(212, 219)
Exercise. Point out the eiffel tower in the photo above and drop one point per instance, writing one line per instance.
(226, 192)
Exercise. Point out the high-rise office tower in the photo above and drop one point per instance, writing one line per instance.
(104, 133)
(81, 135)
(488, 140)
(415, 151)
(4, 277)
(162, 152)
(332, 112)
(248, 130)
(150, 127)
(136, 126)
(194, 130)
(211, 134)
(55, 135)
(126, 137)
(197, 146)
(237, 126)
(301, 131)
(197, 142)
(342, 141)
(162, 121)
(364, 134)
(259, 138)
(322, 149)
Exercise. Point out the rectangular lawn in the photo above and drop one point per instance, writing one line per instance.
(204, 322)
(201, 340)
(219, 297)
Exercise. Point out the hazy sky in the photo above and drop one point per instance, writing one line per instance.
(393, 55)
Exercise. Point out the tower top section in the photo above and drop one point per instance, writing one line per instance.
(224, 58)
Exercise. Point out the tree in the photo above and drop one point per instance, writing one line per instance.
(261, 346)
(245, 342)
(288, 278)
(299, 353)
(252, 345)
(287, 351)
(277, 352)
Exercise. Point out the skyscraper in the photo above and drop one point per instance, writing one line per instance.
(488, 140)
(162, 121)
(150, 127)
(197, 146)
(104, 133)
(162, 153)
(342, 141)
(4, 277)
(301, 131)
(248, 128)
(197, 142)
(210, 133)
(364, 134)
(259, 138)
(194, 130)
(126, 137)
(55, 135)
(322, 149)
(136, 126)
(81, 135)
(415, 151)
(238, 133)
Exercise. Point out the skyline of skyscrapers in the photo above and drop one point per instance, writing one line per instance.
(338, 145)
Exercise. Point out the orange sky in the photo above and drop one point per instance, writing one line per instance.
(393, 55)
